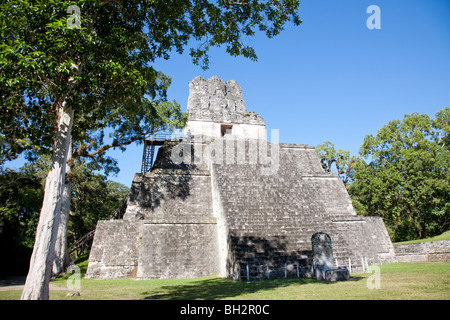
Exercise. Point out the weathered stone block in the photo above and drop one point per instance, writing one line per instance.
(178, 250)
(340, 274)
(322, 252)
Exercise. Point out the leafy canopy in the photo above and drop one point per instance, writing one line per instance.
(338, 160)
(407, 178)
(94, 198)
(103, 69)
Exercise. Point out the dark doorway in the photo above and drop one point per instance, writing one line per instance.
(225, 129)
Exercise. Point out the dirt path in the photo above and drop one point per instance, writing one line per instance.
(17, 283)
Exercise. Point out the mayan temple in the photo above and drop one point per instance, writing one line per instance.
(224, 200)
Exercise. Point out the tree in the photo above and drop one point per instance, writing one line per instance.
(94, 197)
(62, 84)
(406, 179)
(21, 194)
(341, 159)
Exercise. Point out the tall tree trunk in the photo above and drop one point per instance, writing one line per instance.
(37, 283)
(62, 257)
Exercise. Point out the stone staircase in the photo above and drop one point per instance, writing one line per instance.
(271, 218)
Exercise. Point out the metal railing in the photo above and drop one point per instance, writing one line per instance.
(150, 143)
(164, 137)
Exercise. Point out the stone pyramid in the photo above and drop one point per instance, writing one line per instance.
(225, 201)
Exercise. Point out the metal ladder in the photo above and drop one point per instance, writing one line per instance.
(147, 156)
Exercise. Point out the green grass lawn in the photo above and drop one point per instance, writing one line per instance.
(430, 280)
(444, 236)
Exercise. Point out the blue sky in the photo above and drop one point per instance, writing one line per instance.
(331, 78)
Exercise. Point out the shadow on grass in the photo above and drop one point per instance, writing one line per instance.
(218, 288)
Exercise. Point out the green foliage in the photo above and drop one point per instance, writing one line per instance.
(338, 161)
(21, 194)
(405, 176)
(407, 179)
(95, 68)
(94, 197)
(441, 237)
(103, 68)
